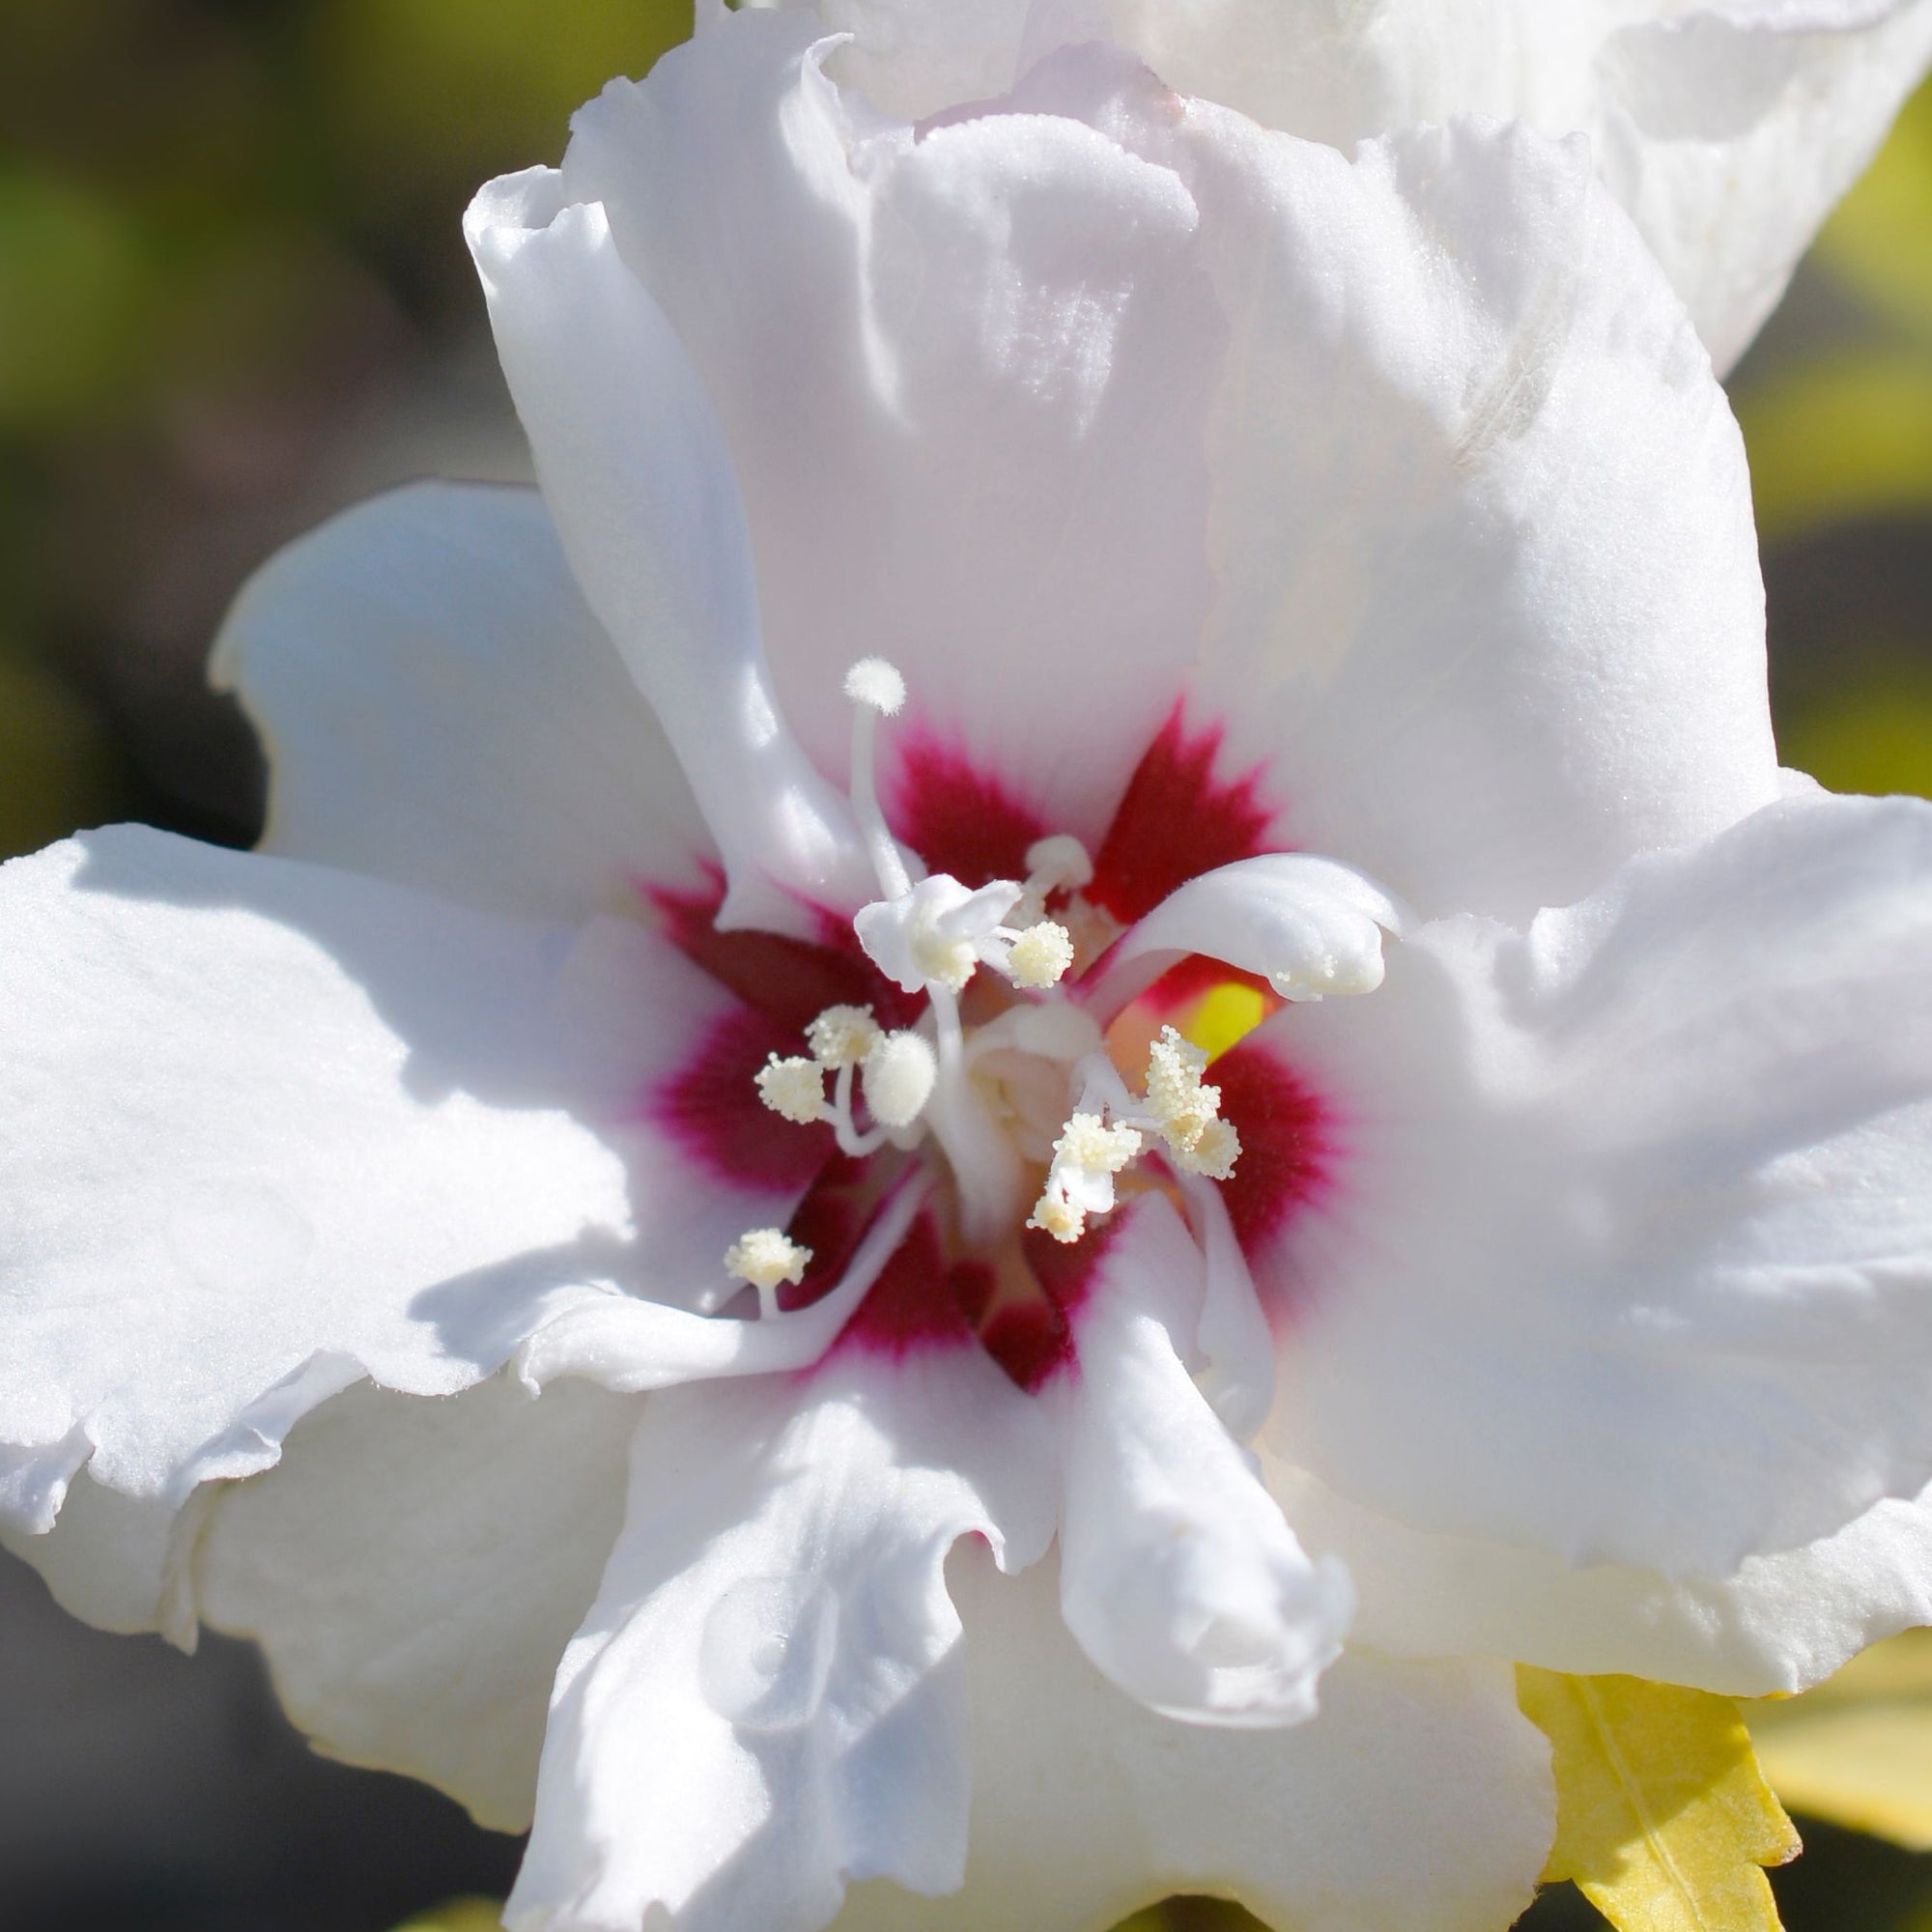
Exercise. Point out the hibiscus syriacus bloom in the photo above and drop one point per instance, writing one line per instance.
(658, 1245)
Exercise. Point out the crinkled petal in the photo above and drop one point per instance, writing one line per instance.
(277, 1127)
(1234, 1340)
(964, 373)
(442, 709)
(1630, 1258)
(116, 1561)
(768, 1698)
(1727, 128)
(1780, 1623)
(1420, 1795)
(635, 470)
(1177, 1574)
(629, 1344)
(1730, 131)
(1397, 365)
(1310, 925)
(414, 1569)
(1491, 615)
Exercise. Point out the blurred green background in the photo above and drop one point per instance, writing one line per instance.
(233, 296)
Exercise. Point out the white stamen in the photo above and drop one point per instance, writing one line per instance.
(765, 1257)
(843, 1036)
(876, 684)
(985, 1164)
(1059, 864)
(876, 690)
(844, 1128)
(900, 1074)
(1056, 864)
(793, 1088)
(1187, 1111)
(1040, 956)
(1086, 1157)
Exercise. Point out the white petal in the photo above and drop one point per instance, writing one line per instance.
(632, 1345)
(276, 1126)
(413, 1570)
(964, 377)
(1419, 1797)
(115, 1561)
(1631, 1255)
(1727, 128)
(1730, 130)
(915, 58)
(1234, 1340)
(1782, 1622)
(1178, 1577)
(768, 1696)
(1310, 925)
(1491, 615)
(633, 467)
(442, 709)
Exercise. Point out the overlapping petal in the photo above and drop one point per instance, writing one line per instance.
(1480, 664)
(413, 1571)
(440, 708)
(1728, 128)
(1780, 1623)
(634, 471)
(1356, 390)
(1631, 1264)
(768, 1696)
(1419, 1796)
(116, 1561)
(1178, 1577)
(963, 373)
(292, 1127)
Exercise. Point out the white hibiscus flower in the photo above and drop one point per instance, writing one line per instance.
(709, 969)
(1728, 128)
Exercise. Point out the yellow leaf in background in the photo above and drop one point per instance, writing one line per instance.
(1874, 735)
(459, 1914)
(1840, 436)
(1662, 1817)
(1857, 1750)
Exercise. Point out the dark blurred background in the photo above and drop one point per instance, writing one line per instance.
(233, 297)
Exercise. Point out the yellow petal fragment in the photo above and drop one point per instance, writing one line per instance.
(1857, 1750)
(1223, 1015)
(1662, 1818)
(459, 1914)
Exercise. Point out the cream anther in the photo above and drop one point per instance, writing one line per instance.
(876, 684)
(765, 1257)
(900, 1074)
(1040, 956)
(794, 1089)
(1185, 1111)
(1086, 1157)
(843, 1036)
